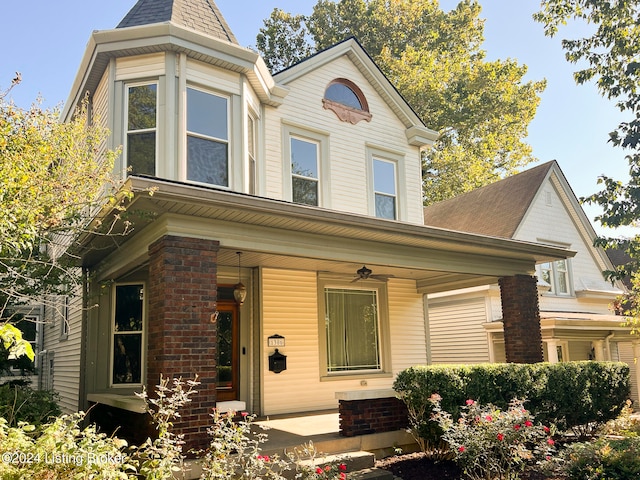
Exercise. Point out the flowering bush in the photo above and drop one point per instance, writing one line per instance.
(490, 443)
(235, 451)
(312, 466)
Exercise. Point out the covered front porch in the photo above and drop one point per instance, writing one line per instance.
(180, 266)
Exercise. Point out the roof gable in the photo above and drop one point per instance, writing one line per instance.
(200, 15)
(496, 210)
(417, 133)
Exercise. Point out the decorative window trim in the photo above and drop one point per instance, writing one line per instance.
(186, 133)
(344, 112)
(384, 341)
(322, 139)
(377, 153)
(125, 125)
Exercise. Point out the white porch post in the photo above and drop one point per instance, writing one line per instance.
(552, 351)
(598, 348)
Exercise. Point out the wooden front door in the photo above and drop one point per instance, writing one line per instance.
(228, 351)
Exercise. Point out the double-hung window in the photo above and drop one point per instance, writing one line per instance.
(141, 128)
(207, 138)
(127, 334)
(352, 329)
(556, 275)
(304, 170)
(384, 189)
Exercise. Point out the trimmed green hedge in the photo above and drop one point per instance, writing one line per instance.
(570, 395)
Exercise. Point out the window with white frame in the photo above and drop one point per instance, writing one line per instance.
(304, 170)
(384, 189)
(207, 138)
(557, 276)
(127, 334)
(352, 330)
(141, 128)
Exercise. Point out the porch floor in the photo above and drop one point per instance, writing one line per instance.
(285, 432)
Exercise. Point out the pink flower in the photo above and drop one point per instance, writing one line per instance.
(488, 418)
(516, 427)
(343, 476)
(550, 441)
(470, 402)
(342, 467)
(500, 437)
(528, 423)
(327, 468)
(319, 471)
(546, 429)
(461, 448)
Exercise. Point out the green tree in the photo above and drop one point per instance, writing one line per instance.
(481, 108)
(611, 58)
(52, 175)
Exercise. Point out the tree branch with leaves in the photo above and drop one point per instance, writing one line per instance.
(611, 55)
(481, 108)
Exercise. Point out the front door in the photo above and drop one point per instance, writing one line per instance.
(228, 356)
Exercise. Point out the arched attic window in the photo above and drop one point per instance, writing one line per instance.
(346, 100)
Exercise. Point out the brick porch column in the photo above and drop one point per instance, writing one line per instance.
(182, 340)
(521, 319)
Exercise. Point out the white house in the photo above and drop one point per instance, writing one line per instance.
(286, 220)
(575, 301)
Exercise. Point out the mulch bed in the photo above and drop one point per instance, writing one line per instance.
(416, 466)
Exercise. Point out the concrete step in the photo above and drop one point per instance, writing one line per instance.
(354, 461)
(372, 474)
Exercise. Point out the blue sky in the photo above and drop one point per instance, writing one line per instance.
(45, 41)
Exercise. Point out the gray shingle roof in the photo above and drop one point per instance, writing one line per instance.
(200, 15)
(495, 210)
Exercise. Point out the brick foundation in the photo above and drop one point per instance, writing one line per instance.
(182, 339)
(521, 319)
(363, 417)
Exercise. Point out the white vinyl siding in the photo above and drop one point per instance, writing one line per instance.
(141, 66)
(406, 325)
(625, 354)
(64, 348)
(457, 332)
(347, 143)
(290, 308)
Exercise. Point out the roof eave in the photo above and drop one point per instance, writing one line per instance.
(106, 44)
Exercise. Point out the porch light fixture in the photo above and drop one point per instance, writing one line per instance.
(239, 290)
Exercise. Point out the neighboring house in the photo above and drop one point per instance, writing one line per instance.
(538, 205)
(270, 195)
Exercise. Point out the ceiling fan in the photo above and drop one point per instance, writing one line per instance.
(365, 273)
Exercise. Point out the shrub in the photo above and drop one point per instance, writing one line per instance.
(24, 404)
(62, 450)
(573, 395)
(604, 458)
(488, 442)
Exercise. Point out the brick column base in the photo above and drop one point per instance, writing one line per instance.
(182, 338)
(376, 415)
(521, 319)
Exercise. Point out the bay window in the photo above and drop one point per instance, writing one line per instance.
(207, 138)
(141, 129)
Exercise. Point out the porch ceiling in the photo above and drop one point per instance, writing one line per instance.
(279, 234)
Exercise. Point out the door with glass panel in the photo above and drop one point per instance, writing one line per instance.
(228, 355)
